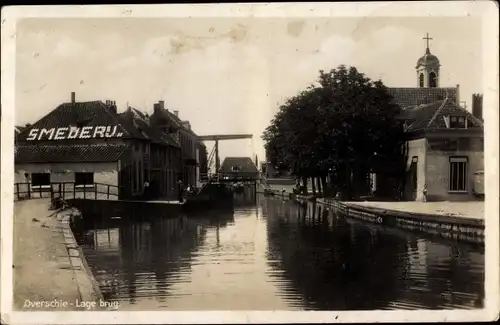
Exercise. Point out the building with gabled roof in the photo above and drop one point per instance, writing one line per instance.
(161, 159)
(445, 142)
(191, 149)
(239, 168)
(89, 143)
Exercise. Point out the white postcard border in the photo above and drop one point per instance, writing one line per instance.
(487, 10)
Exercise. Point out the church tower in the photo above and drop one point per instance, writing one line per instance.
(428, 69)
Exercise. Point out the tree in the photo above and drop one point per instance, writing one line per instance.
(344, 127)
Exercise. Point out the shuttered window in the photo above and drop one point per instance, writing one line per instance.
(84, 178)
(40, 179)
(458, 174)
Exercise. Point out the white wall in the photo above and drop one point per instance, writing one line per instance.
(105, 173)
(418, 148)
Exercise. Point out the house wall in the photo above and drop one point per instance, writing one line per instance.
(438, 167)
(137, 162)
(188, 146)
(416, 148)
(105, 173)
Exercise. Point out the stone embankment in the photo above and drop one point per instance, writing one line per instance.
(456, 220)
(50, 272)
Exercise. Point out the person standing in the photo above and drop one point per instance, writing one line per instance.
(180, 190)
(145, 190)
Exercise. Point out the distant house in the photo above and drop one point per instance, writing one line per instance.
(238, 168)
(444, 141)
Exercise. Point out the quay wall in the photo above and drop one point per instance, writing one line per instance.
(88, 287)
(459, 228)
(121, 208)
(48, 265)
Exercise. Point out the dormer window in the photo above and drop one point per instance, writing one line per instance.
(235, 168)
(458, 122)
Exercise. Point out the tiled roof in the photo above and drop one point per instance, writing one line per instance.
(68, 153)
(165, 113)
(140, 123)
(94, 113)
(245, 163)
(430, 116)
(405, 97)
(20, 129)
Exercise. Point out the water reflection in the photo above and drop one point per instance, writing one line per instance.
(276, 255)
(351, 265)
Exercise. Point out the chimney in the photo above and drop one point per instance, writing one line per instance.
(176, 113)
(457, 100)
(477, 106)
(161, 103)
(156, 107)
(73, 97)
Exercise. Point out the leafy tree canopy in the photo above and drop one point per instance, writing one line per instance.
(344, 118)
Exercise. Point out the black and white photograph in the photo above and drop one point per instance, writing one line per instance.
(250, 163)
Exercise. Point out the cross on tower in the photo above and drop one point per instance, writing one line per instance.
(427, 38)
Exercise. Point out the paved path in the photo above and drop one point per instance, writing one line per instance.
(42, 269)
(471, 209)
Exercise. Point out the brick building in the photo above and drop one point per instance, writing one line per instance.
(203, 162)
(170, 123)
(159, 158)
(445, 145)
(89, 143)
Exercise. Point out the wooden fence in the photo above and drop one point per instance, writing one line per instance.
(66, 190)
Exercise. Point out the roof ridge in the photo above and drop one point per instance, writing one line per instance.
(469, 114)
(114, 116)
(436, 112)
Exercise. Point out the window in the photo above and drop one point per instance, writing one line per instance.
(458, 122)
(458, 174)
(40, 179)
(235, 168)
(414, 173)
(421, 80)
(432, 80)
(84, 179)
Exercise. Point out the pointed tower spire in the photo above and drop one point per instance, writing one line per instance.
(427, 38)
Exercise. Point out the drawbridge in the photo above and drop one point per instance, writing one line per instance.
(214, 158)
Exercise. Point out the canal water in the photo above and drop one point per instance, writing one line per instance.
(270, 254)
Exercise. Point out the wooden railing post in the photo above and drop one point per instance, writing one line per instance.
(74, 191)
(108, 191)
(95, 191)
(84, 191)
(63, 191)
(17, 189)
(40, 191)
(29, 191)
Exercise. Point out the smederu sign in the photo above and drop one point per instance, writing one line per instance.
(64, 133)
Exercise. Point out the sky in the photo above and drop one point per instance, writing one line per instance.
(228, 75)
